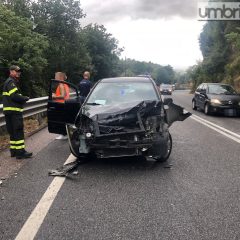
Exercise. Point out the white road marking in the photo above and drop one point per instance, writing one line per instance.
(219, 129)
(35, 220)
(224, 129)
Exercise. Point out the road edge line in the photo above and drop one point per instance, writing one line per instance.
(36, 218)
(216, 129)
(217, 126)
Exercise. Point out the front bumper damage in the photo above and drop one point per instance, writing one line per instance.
(130, 130)
(136, 130)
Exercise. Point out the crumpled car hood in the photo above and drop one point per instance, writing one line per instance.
(126, 113)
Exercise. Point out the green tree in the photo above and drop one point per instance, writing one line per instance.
(104, 51)
(215, 49)
(21, 8)
(161, 74)
(59, 20)
(219, 43)
(19, 44)
(164, 74)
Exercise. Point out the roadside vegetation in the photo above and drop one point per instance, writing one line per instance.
(220, 47)
(46, 36)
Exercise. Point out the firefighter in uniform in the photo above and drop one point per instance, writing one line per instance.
(13, 103)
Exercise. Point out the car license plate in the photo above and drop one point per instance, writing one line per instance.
(230, 112)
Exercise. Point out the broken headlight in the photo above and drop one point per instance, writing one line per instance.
(152, 124)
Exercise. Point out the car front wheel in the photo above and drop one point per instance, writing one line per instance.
(206, 109)
(169, 150)
(194, 105)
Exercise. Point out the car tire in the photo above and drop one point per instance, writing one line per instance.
(74, 147)
(194, 105)
(165, 158)
(206, 109)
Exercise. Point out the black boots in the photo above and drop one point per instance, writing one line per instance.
(12, 152)
(20, 154)
(23, 154)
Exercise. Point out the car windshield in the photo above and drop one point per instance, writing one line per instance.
(115, 93)
(221, 89)
(165, 86)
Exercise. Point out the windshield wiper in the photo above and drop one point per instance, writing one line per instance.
(93, 104)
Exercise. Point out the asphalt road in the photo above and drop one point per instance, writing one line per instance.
(198, 198)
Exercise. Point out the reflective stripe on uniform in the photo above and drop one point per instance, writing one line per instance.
(10, 92)
(12, 109)
(17, 142)
(17, 147)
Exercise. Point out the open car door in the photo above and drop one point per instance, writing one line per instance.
(62, 111)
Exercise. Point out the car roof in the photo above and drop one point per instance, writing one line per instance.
(126, 79)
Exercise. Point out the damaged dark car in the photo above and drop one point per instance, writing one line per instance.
(121, 117)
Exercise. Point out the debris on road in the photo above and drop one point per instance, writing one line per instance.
(1, 182)
(75, 172)
(65, 169)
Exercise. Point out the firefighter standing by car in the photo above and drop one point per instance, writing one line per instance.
(13, 103)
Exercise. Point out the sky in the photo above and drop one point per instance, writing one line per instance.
(158, 31)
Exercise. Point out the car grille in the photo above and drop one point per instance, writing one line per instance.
(230, 103)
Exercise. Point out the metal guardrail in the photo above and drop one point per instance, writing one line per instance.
(32, 107)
